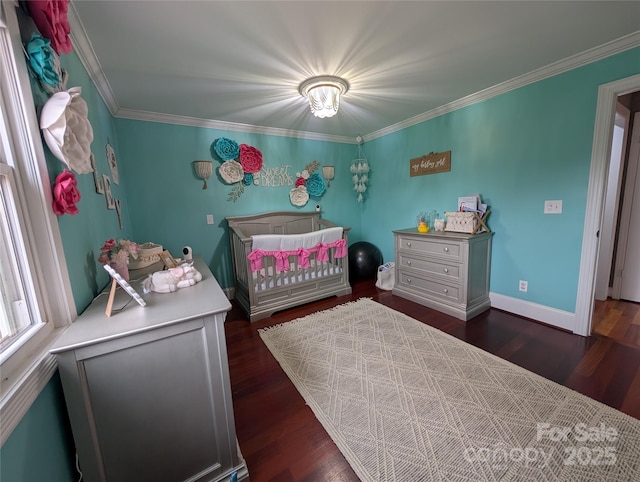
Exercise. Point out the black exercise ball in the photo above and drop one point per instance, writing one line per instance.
(364, 259)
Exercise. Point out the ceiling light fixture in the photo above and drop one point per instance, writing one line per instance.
(324, 94)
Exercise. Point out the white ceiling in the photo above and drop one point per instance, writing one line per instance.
(242, 61)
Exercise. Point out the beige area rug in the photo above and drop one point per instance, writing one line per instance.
(404, 401)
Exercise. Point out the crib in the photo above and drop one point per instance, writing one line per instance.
(284, 259)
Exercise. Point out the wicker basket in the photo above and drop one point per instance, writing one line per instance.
(148, 254)
(466, 222)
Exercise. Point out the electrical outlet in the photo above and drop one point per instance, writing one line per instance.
(523, 286)
(553, 207)
(209, 218)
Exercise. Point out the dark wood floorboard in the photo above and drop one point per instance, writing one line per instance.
(282, 440)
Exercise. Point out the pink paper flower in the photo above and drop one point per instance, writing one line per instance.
(250, 158)
(65, 194)
(51, 18)
(301, 181)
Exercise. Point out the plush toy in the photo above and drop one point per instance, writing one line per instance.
(170, 280)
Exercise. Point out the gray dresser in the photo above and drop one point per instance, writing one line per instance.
(147, 390)
(446, 271)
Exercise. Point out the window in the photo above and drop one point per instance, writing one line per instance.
(16, 316)
(36, 299)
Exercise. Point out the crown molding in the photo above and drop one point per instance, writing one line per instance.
(91, 64)
(227, 126)
(588, 56)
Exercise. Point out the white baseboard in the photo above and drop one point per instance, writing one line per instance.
(545, 314)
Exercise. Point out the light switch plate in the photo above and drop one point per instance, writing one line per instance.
(553, 207)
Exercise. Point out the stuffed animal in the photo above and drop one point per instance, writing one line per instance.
(170, 280)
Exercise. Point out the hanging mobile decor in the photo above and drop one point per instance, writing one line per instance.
(360, 171)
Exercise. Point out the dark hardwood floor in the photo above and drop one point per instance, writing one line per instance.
(282, 440)
(618, 320)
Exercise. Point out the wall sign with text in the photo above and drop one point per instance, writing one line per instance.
(430, 163)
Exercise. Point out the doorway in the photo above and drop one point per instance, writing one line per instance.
(600, 155)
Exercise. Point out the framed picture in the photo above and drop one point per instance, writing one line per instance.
(117, 202)
(113, 163)
(97, 180)
(168, 260)
(125, 286)
(107, 192)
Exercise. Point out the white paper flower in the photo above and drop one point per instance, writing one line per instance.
(299, 196)
(305, 174)
(231, 172)
(67, 130)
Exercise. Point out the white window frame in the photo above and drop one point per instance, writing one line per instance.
(29, 365)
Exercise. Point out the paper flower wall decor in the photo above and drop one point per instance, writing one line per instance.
(225, 149)
(51, 19)
(65, 194)
(240, 163)
(45, 64)
(66, 129)
(308, 183)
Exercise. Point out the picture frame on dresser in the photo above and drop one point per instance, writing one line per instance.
(168, 260)
(119, 280)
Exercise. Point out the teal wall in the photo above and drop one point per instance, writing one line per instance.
(84, 233)
(41, 446)
(517, 150)
(168, 205)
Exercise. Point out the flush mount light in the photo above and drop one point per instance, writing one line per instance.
(324, 94)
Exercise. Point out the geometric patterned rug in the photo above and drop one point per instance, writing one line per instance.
(404, 401)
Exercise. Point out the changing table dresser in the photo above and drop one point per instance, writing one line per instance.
(148, 391)
(446, 271)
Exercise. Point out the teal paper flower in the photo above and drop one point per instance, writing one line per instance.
(43, 60)
(226, 149)
(315, 185)
(247, 179)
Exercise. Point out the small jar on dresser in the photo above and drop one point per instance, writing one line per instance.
(446, 271)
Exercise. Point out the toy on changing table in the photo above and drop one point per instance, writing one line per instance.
(170, 280)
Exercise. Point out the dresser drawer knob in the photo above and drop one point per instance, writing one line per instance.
(446, 250)
(445, 290)
(409, 262)
(408, 280)
(409, 243)
(446, 270)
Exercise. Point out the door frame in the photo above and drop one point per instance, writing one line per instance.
(600, 154)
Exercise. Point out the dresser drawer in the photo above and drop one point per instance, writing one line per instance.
(450, 271)
(430, 287)
(450, 250)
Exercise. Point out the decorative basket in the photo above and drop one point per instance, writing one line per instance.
(148, 254)
(466, 222)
